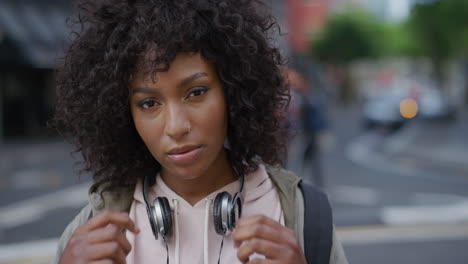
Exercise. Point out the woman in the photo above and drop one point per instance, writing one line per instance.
(174, 107)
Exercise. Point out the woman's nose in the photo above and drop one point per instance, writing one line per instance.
(177, 123)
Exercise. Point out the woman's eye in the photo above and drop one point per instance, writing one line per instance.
(198, 92)
(147, 104)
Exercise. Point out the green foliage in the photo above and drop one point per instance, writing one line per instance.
(399, 41)
(441, 28)
(347, 37)
(438, 30)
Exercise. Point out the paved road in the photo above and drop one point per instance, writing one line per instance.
(408, 244)
(364, 183)
(424, 252)
(40, 191)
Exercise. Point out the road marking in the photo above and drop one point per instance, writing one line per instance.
(363, 155)
(441, 209)
(30, 210)
(449, 213)
(454, 156)
(41, 251)
(356, 195)
(424, 198)
(401, 233)
(422, 208)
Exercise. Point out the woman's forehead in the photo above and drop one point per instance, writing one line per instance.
(185, 64)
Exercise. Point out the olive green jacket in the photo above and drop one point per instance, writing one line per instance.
(120, 199)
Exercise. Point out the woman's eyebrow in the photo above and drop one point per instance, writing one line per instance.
(143, 90)
(191, 78)
(182, 83)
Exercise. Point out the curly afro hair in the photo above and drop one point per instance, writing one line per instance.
(114, 41)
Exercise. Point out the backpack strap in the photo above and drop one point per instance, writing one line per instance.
(318, 225)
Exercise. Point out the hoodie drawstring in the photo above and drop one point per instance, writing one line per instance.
(176, 213)
(208, 202)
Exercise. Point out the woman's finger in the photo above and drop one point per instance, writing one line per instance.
(107, 217)
(259, 229)
(110, 233)
(109, 250)
(262, 261)
(269, 249)
(104, 261)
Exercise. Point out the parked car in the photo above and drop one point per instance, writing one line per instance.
(433, 105)
(384, 109)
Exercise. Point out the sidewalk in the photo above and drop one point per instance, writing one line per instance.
(435, 143)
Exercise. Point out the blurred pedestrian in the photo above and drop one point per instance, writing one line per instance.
(306, 121)
(173, 106)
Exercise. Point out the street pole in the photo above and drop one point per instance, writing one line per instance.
(2, 87)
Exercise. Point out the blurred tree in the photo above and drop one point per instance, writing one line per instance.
(440, 29)
(345, 38)
(399, 41)
(437, 30)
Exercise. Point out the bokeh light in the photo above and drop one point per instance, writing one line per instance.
(408, 108)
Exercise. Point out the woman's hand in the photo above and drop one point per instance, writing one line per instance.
(263, 235)
(100, 240)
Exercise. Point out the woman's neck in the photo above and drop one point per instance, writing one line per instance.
(193, 190)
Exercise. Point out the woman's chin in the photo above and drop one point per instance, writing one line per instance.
(186, 173)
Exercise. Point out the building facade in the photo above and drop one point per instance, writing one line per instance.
(304, 18)
(32, 38)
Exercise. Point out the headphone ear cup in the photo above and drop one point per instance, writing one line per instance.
(234, 212)
(217, 211)
(150, 211)
(166, 216)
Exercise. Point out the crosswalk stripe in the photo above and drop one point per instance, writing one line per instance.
(23, 212)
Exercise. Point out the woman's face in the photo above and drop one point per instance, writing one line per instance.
(181, 116)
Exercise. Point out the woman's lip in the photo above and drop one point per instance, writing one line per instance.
(183, 149)
(185, 158)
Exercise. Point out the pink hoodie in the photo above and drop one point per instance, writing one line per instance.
(194, 239)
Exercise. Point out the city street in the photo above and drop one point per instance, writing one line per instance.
(409, 206)
(405, 207)
(369, 185)
(380, 87)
